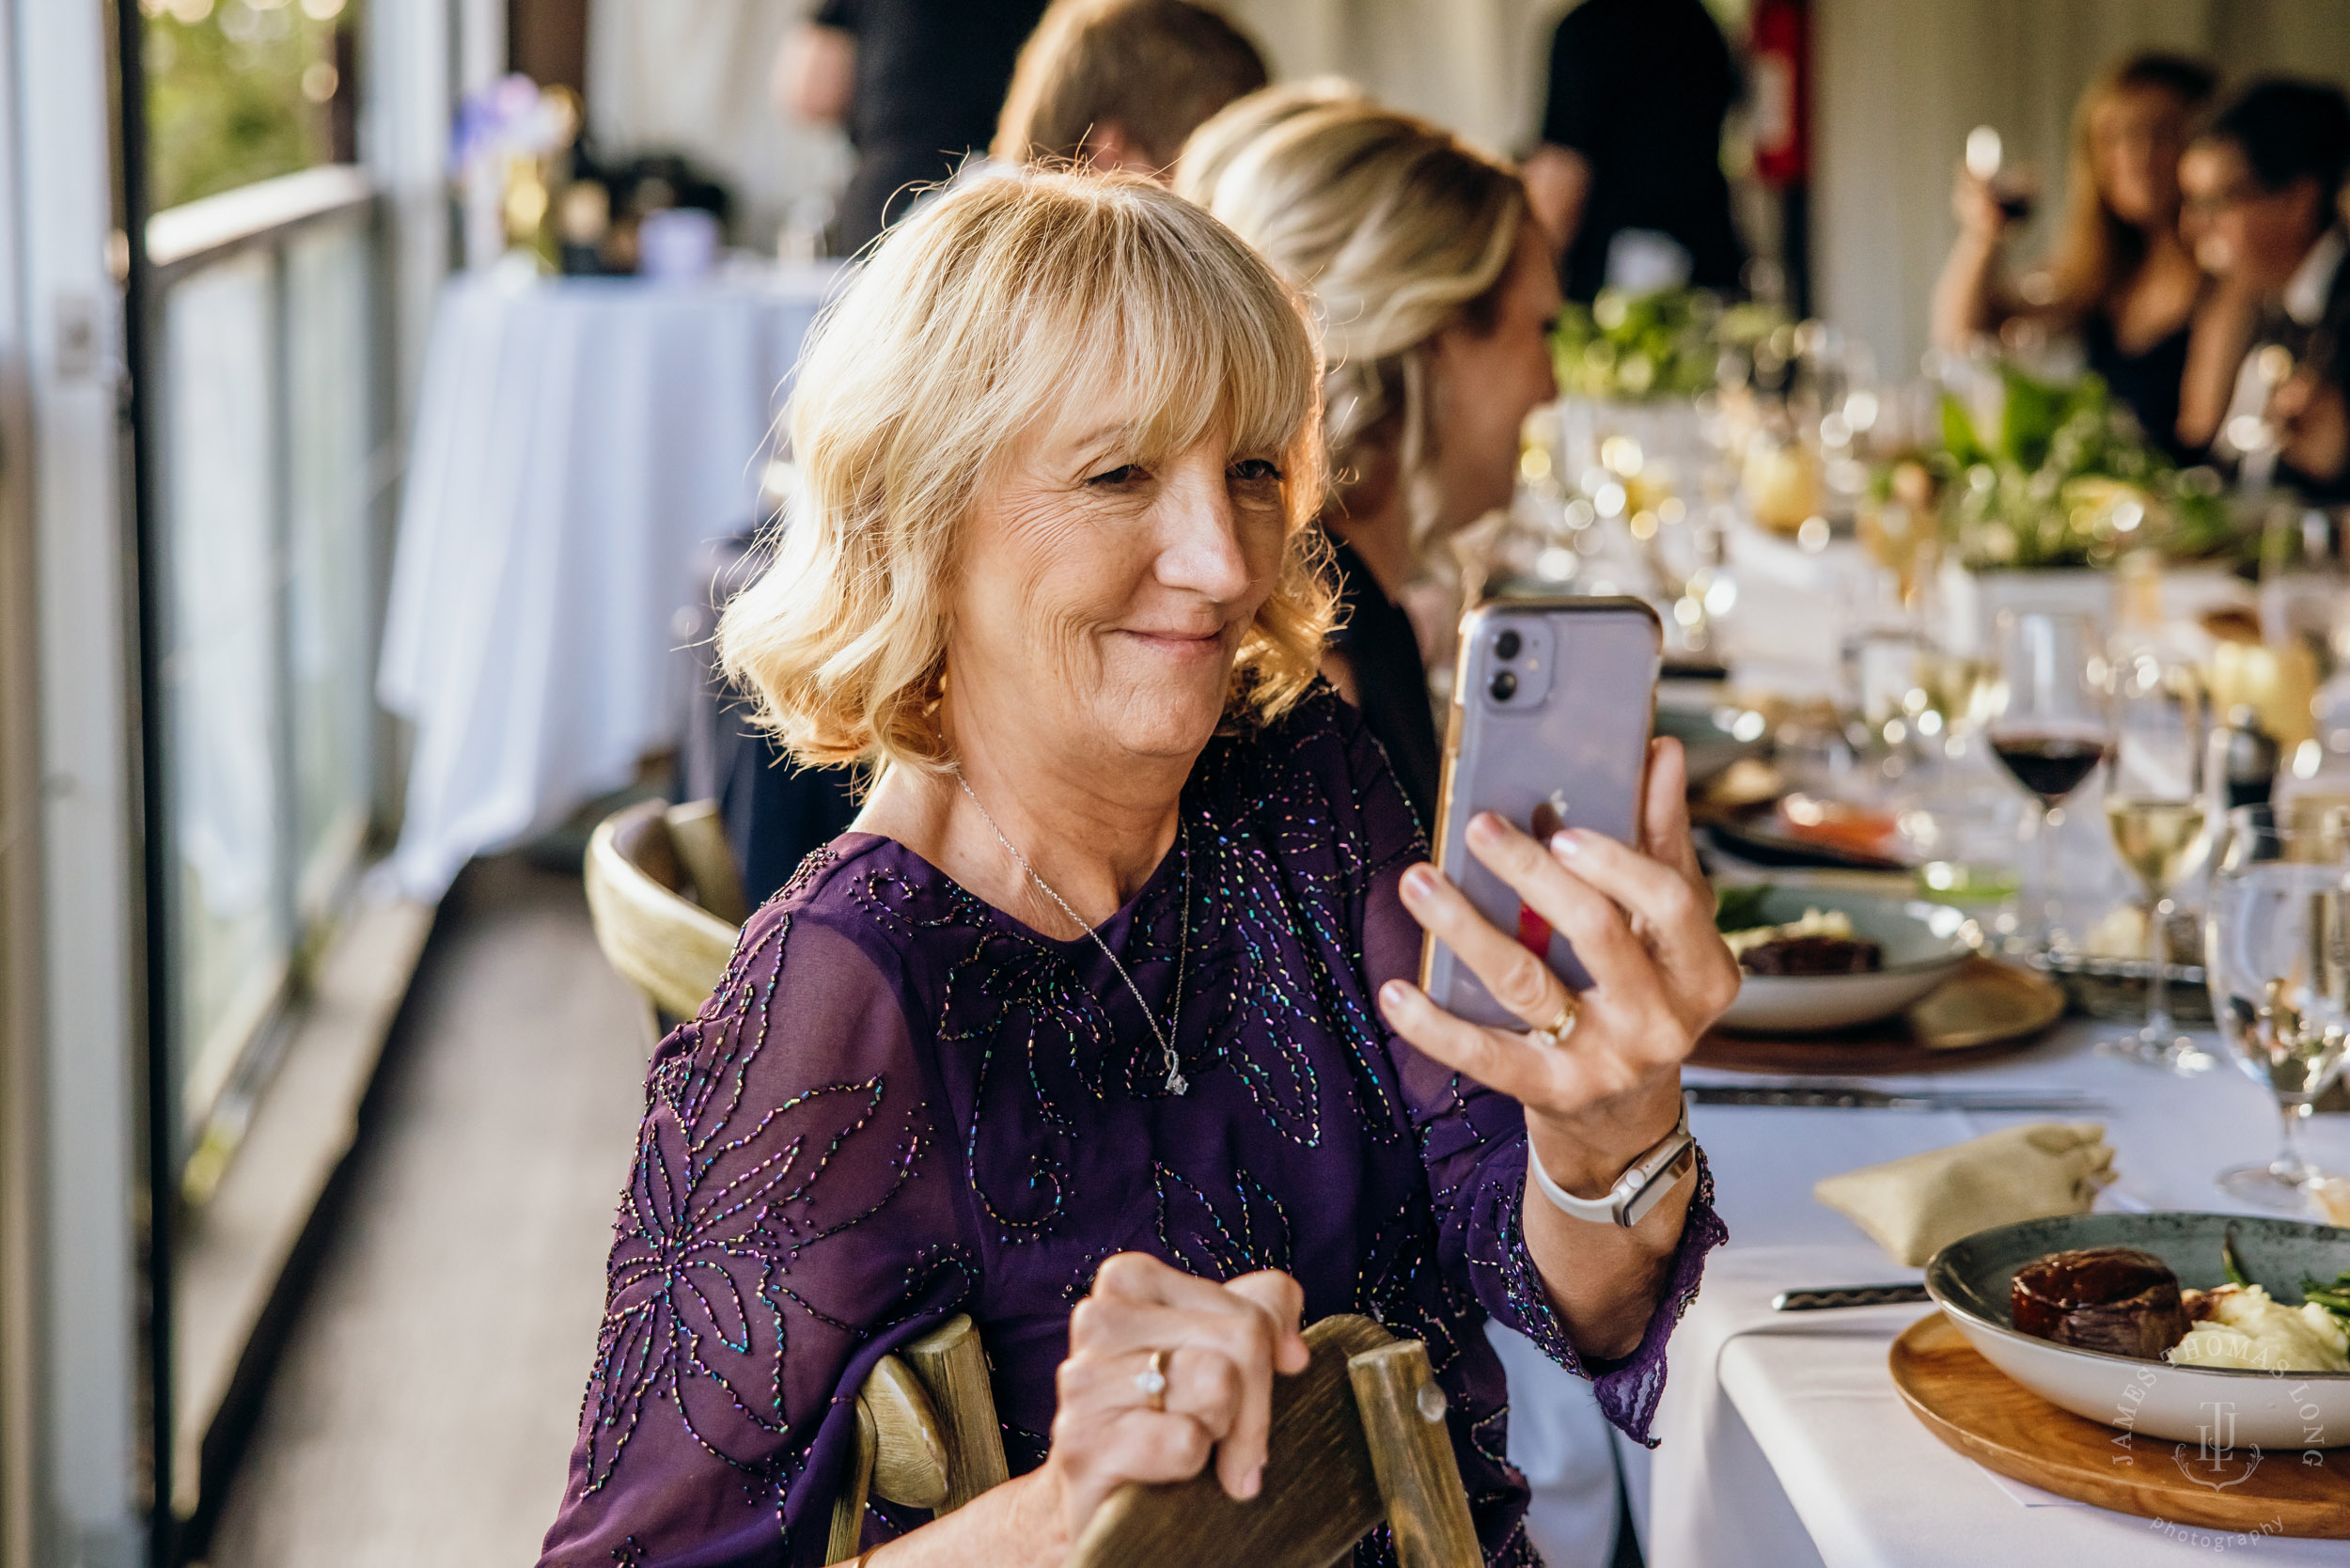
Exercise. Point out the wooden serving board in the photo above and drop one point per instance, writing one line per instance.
(1986, 1010)
(1998, 1423)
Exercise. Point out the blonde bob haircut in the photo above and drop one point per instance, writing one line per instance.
(1394, 227)
(990, 317)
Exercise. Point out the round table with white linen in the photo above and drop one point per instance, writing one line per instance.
(578, 443)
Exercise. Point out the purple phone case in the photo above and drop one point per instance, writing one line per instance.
(1572, 733)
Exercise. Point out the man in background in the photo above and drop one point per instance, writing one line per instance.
(1120, 83)
(2263, 185)
(1631, 136)
(917, 83)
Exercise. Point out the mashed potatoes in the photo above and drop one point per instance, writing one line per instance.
(2240, 1327)
(1835, 922)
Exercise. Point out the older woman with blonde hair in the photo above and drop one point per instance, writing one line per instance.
(1434, 293)
(1095, 1027)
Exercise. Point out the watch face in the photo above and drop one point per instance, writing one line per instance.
(1684, 1166)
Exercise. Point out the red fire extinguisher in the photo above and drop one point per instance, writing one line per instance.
(1779, 83)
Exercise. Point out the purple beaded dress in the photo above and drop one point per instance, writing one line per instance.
(904, 1104)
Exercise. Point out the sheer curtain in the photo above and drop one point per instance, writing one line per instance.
(1478, 65)
(692, 77)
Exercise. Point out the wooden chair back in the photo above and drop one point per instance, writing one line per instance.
(1358, 1437)
(666, 900)
(926, 1433)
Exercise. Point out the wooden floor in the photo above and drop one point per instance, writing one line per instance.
(423, 1410)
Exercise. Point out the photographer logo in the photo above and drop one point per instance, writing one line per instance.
(2217, 1462)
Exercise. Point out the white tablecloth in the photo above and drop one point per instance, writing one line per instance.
(1784, 1443)
(577, 443)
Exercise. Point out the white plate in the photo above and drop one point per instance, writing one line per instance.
(1922, 944)
(2276, 1411)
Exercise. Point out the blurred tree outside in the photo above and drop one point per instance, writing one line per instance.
(242, 90)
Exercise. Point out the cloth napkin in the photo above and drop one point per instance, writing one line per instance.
(1916, 1206)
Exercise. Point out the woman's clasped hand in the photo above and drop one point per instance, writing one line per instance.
(1168, 1374)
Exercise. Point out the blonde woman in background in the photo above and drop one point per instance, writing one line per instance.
(1434, 293)
(1117, 85)
(2122, 277)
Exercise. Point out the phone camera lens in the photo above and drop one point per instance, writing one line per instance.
(1507, 645)
(1505, 685)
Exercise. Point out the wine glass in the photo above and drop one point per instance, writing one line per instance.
(2156, 808)
(2053, 729)
(2276, 954)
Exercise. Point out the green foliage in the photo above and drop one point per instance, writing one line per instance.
(2067, 481)
(1629, 347)
(225, 94)
(1739, 907)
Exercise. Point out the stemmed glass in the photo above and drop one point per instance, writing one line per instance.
(2277, 954)
(2054, 726)
(2156, 808)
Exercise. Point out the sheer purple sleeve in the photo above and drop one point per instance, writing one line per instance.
(1473, 1143)
(787, 1221)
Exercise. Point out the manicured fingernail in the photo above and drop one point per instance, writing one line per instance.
(1562, 844)
(1485, 826)
(1419, 882)
(1253, 1483)
(1392, 995)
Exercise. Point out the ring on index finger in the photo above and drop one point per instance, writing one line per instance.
(1554, 1033)
(1152, 1383)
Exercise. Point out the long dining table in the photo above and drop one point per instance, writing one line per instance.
(1784, 1442)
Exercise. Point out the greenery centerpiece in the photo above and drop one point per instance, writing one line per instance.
(2060, 475)
(1631, 348)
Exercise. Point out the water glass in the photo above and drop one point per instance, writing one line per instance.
(2276, 954)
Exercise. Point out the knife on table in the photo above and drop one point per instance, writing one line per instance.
(1821, 1296)
(1837, 1097)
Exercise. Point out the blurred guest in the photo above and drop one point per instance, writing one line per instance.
(1216, 143)
(2123, 278)
(917, 83)
(1118, 84)
(1632, 145)
(1096, 1029)
(1435, 293)
(2266, 184)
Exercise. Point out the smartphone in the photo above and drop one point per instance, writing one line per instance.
(1553, 703)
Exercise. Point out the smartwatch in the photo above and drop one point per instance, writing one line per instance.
(1646, 1183)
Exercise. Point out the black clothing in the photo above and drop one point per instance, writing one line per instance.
(931, 76)
(1640, 88)
(2323, 349)
(2148, 383)
(774, 813)
(1390, 682)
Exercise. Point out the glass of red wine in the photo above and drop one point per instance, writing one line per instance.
(2054, 726)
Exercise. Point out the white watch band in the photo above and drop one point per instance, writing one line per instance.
(1645, 1182)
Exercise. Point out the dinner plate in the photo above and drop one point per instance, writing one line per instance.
(1970, 1280)
(1923, 943)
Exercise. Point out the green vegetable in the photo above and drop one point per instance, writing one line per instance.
(2229, 1262)
(1741, 908)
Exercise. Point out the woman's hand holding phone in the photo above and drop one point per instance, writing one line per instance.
(1641, 922)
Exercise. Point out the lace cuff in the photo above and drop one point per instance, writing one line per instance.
(1513, 1290)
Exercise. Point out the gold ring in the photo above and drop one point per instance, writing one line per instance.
(1151, 1381)
(1554, 1034)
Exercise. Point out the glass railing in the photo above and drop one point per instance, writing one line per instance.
(269, 394)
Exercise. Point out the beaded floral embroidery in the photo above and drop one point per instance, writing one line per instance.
(1005, 1127)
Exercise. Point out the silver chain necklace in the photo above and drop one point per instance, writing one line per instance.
(1176, 1083)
